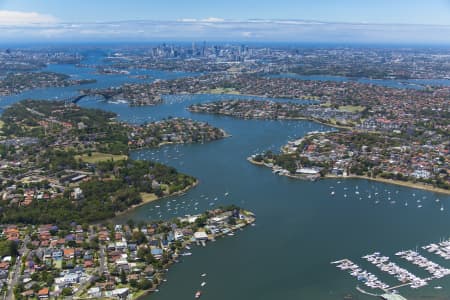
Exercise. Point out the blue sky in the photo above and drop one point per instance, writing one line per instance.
(338, 20)
(379, 11)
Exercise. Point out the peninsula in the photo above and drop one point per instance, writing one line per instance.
(19, 82)
(404, 147)
(65, 168)
(333, 92)
(72, 163)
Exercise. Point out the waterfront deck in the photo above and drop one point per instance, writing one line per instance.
(398, 286)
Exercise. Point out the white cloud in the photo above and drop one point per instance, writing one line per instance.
(11, 18)
(187, 20)
(214, 29)
(212, 20)
(295, 22)
(205, 20)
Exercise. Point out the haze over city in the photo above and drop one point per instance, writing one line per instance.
(349, 21)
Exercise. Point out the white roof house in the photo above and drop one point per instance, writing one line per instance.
(307, 171)
(200, 235)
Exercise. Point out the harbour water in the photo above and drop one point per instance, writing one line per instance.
(301, 227)
(393, 83)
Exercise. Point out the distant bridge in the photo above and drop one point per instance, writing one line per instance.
(105, 95)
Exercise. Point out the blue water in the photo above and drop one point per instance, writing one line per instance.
(103, 81)
(393, 83)
(300, 226)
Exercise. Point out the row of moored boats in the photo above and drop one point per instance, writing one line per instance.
(354, 270)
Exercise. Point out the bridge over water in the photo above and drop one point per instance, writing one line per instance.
(105, 95)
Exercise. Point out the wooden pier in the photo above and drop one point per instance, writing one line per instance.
(398, 286)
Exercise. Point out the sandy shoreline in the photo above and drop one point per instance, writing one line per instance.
(285, 119)
(320, 122)
(131, 208)
(414, 185)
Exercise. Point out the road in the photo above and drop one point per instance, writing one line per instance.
(15, 272)
(103, 266)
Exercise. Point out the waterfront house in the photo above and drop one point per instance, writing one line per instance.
(118, 293)
(178, 235)
(307, 171)
(200, 236)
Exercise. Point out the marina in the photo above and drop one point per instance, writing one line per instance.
(405, 277)
(415, 258)
(442, 249)
(354, 270)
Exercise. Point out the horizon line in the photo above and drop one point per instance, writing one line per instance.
(221, 20)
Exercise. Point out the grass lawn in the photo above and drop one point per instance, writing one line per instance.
(138, 294)
(148, 197)
(164, 187)
(223, 91)
(58, 264)
(352, 108)
(98, 157)
(332, 120)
